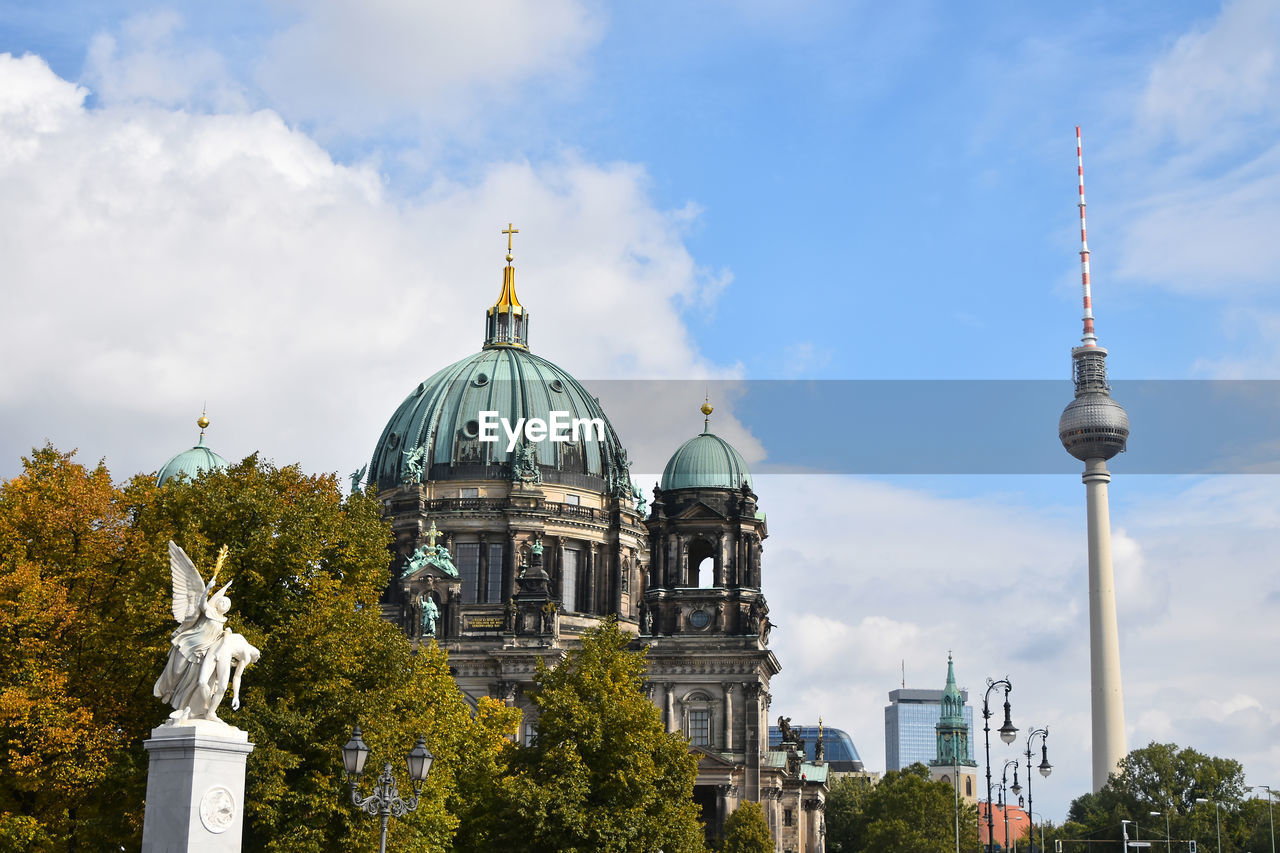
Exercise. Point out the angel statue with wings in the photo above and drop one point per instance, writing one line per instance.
(203, 648)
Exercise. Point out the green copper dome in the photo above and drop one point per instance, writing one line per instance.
(437, 428)
(193, 463)
(705, 461)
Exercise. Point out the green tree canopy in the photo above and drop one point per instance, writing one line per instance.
(906, 812)
(84, 632)
(602, 774)
(1166, 778)
(747, 830)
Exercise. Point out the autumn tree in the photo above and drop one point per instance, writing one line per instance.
(747, 830)
(602, 774)
(85, 622)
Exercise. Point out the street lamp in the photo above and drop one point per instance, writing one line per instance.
(1217, 828)
(385, 800)
(1008, 733)
(1270, 819)
(1033, 827)
(1015, 787)
(1168, 842)
(1045, 769)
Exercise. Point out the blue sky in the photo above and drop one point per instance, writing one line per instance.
(290, 211)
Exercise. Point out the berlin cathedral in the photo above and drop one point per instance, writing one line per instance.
(507, 551)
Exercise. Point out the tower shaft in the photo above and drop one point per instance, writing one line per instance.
(1107, 698)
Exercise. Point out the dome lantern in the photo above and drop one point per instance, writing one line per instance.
(506, 323)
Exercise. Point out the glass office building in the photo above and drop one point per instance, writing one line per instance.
(838, 748)
(910, 721)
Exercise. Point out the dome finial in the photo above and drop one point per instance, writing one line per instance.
(203, 421)
(707, 409)
(507, 322)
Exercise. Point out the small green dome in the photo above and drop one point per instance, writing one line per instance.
(193, 463)
(706, 461)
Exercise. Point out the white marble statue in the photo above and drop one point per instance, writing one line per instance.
(204, 649)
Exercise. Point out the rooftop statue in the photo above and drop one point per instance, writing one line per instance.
(431, 554)
(414, 464)
(203, 650)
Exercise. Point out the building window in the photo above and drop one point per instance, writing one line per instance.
(786, 817)
(700, 727)
(573, 500)
(569, 580)
(968, 786)
(495, 574)
(469, 570)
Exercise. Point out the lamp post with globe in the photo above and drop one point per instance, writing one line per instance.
(1270, 819)
(1008, 733)
(385, 800)
(1045, 769)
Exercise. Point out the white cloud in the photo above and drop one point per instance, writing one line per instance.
(1216, 75)
(1207, 164)
(147, 61)
(357, 65)
(158, 259)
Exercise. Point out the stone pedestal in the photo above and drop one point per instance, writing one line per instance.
(195, 788)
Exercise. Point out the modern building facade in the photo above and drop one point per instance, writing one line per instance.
(505, 556)
(910, 726)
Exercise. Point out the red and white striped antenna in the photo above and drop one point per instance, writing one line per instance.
(1089, 339)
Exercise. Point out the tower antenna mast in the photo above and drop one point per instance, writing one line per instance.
(1089, 339)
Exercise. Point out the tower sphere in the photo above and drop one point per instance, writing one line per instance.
(1093, 426)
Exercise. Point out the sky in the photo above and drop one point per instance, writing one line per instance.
(290, 212)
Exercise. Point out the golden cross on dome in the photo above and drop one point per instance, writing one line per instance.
(432, 534)
(510, 230)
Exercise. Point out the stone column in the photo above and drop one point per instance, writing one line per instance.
(195, 788)
(482, 594)
(589, 578)
(510, 567)
(728, 715)
(718, 563)
(671, 706)
(751, 741)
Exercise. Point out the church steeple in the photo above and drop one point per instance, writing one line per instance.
(952, 730)
(506, 322)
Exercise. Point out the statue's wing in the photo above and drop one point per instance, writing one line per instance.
(188, 586)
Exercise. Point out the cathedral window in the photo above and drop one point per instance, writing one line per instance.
(701, 564)
(469, 570)
(569, 579)
(700, 727)
(494, 593)
(786, 817)
(968, 786)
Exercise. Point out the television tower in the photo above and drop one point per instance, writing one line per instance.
(1093, 428)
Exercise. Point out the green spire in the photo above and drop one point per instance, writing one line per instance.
(952, 731)
(952, 702)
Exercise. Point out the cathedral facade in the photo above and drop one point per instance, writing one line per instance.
(518, 527)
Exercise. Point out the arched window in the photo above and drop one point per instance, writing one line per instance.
(699, 718)
(701, 564)
(968, 786)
